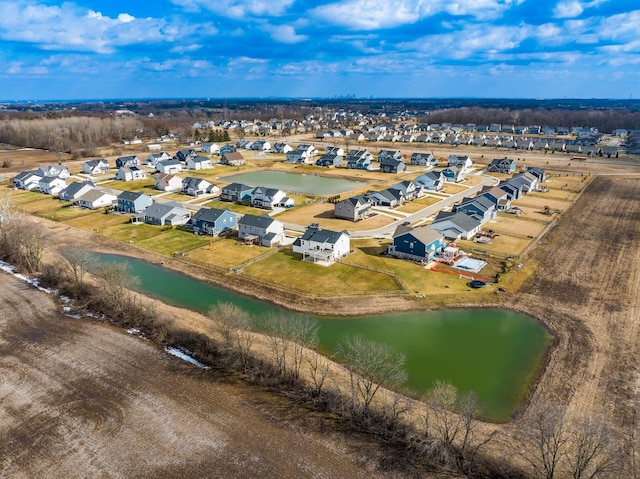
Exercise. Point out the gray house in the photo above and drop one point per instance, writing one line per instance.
(457, 226)
(392, 165)
(133, 202)
(166, 214)
(127, 161)
(432, 181)
(198, 186)
(423, 159)
(75, 190)
(95, 167)
(236, 193)
(262, 230)
(213, 221)
(481, 206)
(353, 209)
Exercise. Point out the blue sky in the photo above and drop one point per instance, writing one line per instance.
(294, 48)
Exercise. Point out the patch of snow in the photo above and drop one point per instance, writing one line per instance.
(185, 357)
(7, 268)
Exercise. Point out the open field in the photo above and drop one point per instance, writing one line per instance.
(226, 253)
(417, 205)
(84, 399)
(525, 225)
(322, 213)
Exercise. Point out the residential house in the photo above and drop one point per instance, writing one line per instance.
(169, 214)
(335, 150)
(236, 193)
(394, 154)
(453, 174)
(127, 161)
(95, 167)
(514, 191)
(268, 198)
(329, 160)
(317, 244)
(389, 197)
(432, 181)
(169, 167)
(261, 145)
(184, 155)
(165, 182)
(213, 221)
(417, 244)
(52, 185)
(212, 148)
(481, 206)
(502, 165)
(463, 161)
(410, 190)
(227, 149)
(498, 196)
(234, 158)
(262, 230)
(528, 181)
(75, 190)
(456, 225)
(198, 186)
(199, 163)
(154, 158)
(359, 160)
(58, 171)
(28, 180)
(392, 165)
(353, 209)
(133, 202)
(94, 199)
(282, 148)
(538, 173)
(131, 174)
(423, 159)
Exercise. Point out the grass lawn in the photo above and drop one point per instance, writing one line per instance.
(322, 213)
(286, 268)
(419, 204)
(453, 188)
(68, 212)
(241, 209)
(171, 241)
(539, 202)
(501, 245)
(226, 253)
(526, 225)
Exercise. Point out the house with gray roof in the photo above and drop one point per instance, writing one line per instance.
(420, 244)
(154, 158)
(75, 190)
(28, 180)
(453, 174)
(184, 155)
(212, 221)
(423, 159)
(198, 163)
(52, 185)
(95, 198)
(127, 161)
(353, 209)
(132, 173)
(480, 206)
(457, 225)
(432, 181)
(198, 186)
(502, 165)
(329, 160)
(59, 171)
(98, 166)
(318, 244)
(236, 193)
(161, 214)
(169, 167)
(268, 198)
(392, 165)
(389, 197)
(262, 230)
(133, 202)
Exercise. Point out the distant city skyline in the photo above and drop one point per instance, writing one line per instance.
(97, 49)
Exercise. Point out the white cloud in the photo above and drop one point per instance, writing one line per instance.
(574, 8)
(375, 14)
(284, 34)
(186, 48)
(68, 27)
(237, 8)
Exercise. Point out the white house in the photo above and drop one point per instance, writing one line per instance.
(197, 186)
(263, 230)
(75, 190)
(463, 161)
(130, 174)
(154, 158)
(262, 197)
(28, 180)
(94, 199)
(213, 148)
(95, 167)
(54, 170)
(169, 167)
(317, 244)
(165, 182)
(198, 163)
(52, 185)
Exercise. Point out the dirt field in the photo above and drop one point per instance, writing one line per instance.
(84, 399)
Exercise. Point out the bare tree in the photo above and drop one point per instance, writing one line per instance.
(78, 261)
(319, 367)
(289, 334)
(23, 243)
(545, 436)
(371, 366)
(234, 325)
(116, 285)
(592, 451)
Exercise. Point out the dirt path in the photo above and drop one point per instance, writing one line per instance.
(84, 399)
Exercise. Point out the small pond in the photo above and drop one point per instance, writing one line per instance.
(494, 352)
(300, 183)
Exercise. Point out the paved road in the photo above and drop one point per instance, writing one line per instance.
(417, 216)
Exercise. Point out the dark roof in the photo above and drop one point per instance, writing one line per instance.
(237, 187)
(425, 234)
(462, 220)
(263, 221)
(209, 215)
(233, 156)
(130, 195)
(322, 235)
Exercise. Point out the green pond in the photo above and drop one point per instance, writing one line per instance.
(311, 184)
(495, 353)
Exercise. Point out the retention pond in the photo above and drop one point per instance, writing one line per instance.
(300, 183)
(494, 352)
